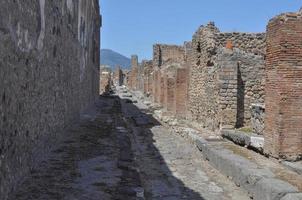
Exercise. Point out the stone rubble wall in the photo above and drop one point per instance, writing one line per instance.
(213, 101)
(249, 42)
(49, 73)
(240, 92)
(203, 92)
(163, 53)
(258, 116)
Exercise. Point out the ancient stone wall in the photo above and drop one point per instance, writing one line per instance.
(249, 42)
(105, 80)
(210, 79)
(167, 53)
(247, 88)
(258, 116)
(180, 93)
(118, 76)
(203, 90)
(283, 102)
(49, 73)
(133, 82)
(147, 76)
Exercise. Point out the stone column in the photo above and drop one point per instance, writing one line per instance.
(134, 71)
(283, 101)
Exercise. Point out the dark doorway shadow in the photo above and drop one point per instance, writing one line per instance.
(240, 99)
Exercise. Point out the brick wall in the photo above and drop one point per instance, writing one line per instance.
(283, 102)
(133, 82)
(147, 66)
(180, 90)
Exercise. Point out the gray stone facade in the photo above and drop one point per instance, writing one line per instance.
(223, 83)
(257, 118)
(49, 73)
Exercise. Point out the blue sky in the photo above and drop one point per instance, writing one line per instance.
(133, 26)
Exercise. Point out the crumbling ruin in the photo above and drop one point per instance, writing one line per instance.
(233, 80)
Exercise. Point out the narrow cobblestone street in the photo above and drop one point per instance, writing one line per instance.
(119, 151)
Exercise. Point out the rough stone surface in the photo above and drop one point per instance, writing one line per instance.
(272, 189)
(171, 168)
(297, 196)
(295, 166)
(105, 80)
(259, 182)
(244, 139)
(224, 82)
(257, 120)
(49, 58)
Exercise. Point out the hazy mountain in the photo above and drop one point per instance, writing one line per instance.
(112, 58)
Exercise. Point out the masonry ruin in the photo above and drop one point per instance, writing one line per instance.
(232, 80)
(49, 74)
(106, 81)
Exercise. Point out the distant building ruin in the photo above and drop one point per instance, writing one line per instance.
(232, 80)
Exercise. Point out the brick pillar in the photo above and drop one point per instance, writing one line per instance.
(162, 91)
(154, 75)
(165, 90)
(180, 100)
(158, 85)
(170, 93)
(150, 84)
(146, 84)
(134, 71)
(283, 91)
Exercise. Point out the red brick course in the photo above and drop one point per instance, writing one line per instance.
(283, 122)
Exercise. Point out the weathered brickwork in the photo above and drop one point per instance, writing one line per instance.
(167, 59)
(163, 53)
(49, 73)
(133, 76)
(283, 102)
(180, 93)
(147, 67)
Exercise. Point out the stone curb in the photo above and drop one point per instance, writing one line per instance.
(260, 183)
(253, 141)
